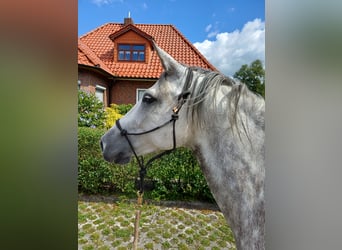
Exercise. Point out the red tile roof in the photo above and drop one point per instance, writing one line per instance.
(98, 48)
(87, 57)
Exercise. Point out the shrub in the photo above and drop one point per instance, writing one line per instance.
(90, 110)
(124, 108)
(175, 176)
(178, 176)
(95, 175)
(115, 112)
(112, 114)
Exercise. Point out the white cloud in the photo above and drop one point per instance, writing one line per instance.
(231, 50)
(144, 6)
(212, 34)
(104, 2)
(212, 30)
(207, 29)
(101, 2)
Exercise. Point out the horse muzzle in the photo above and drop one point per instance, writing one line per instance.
(119, 153)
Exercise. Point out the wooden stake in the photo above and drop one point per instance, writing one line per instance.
(136, 229)
(137, 220)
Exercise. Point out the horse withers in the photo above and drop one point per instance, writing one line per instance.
(221, 121)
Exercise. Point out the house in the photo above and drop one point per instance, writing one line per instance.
(117, 61)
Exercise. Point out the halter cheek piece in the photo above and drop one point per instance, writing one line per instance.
(174, 117)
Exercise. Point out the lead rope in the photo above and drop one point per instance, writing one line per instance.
(143, 167)
(142, 174)
(182, 98)
(137, 220)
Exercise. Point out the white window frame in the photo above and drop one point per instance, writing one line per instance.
(102, 89)
(137, 93)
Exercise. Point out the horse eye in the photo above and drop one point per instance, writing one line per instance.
(147, 98)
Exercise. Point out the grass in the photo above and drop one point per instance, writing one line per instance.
(148, 245)
(110, 226)
(166, 235)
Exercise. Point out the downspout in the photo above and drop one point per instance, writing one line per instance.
(110, 91)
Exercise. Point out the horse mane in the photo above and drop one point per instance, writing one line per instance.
(239, 99)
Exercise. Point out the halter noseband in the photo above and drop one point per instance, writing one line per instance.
(174, 117)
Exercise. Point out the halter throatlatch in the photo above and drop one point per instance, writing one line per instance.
(174, 117)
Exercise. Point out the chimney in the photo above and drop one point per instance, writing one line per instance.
(128, 20)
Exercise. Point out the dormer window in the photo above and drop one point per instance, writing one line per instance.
(131, 52)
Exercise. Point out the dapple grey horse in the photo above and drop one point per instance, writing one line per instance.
(221, 121)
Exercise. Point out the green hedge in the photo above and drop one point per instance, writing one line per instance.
(175, 176)
(95, 175)
(178, 176)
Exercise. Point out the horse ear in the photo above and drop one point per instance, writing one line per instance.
(169, 64)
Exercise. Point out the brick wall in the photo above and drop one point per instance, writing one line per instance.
(119, 92)
(124, 91)
(90, 79)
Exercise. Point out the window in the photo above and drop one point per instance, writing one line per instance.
(131, 52)
(140, 93)
(99, 92)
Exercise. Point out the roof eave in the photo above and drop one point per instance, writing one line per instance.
(136, 79)
(96, 69)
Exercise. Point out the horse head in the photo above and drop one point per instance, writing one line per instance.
(152, 110)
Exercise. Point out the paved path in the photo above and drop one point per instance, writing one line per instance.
(109, 224)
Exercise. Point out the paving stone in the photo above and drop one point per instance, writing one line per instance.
(104, 225)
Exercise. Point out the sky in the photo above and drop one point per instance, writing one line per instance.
(229, 33)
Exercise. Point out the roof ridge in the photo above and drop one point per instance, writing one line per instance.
(117, 23)
(158, 24)
(194, 49)
(95, 29)
(127, 28)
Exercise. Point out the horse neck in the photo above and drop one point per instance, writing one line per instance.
(234, 170)
(238, 188)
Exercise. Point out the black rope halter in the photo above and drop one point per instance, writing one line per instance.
(174, 117)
